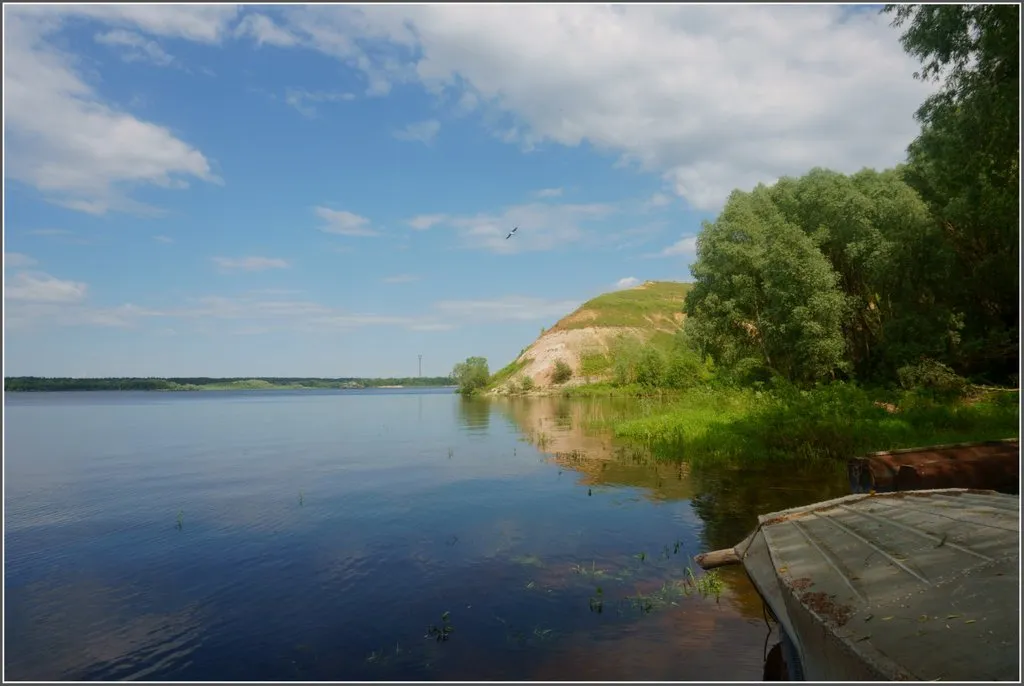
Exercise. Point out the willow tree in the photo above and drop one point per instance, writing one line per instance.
(763, 290)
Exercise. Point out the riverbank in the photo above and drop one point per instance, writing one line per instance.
(838, 421)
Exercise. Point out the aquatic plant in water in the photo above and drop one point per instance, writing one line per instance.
(441, 633)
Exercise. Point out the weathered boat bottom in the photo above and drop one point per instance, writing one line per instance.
(919, 585)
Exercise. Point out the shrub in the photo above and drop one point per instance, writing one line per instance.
(650, 367)
(562, 373)
(526, 384)
(931, 375)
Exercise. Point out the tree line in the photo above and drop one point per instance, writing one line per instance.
(891, 275)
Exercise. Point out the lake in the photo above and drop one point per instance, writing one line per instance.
(368, 535)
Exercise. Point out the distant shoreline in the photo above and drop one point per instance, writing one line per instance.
(26, 384)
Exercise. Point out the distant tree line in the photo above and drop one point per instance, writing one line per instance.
(38, 383)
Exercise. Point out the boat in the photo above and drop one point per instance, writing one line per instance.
(908, 585)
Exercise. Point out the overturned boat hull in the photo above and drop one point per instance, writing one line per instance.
(921, 585)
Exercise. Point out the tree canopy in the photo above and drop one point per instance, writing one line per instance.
(860, 275)
(472, 375)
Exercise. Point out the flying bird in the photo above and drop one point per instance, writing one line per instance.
(511, 232)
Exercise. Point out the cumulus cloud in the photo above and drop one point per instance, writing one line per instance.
(303, 100)
(658, 200)
(423, 132)
(199, 23)
(627, 282)
(344, 223)
(425, 221)
(64, 140)
(264, 30)
(549, 193)
(16, 260)
(542, 226)
(400, 278)
(135, 48)
(506, 309)
(711, 98)
(37, 287)
(684, 246)
(250, 264)
(163, 239)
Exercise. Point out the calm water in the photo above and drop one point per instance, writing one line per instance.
(319, 535)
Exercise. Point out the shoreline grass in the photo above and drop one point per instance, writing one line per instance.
(838, 421)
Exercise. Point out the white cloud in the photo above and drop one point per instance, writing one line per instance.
(200, 23)
(542, 226)
(400, 278)
(508, 308)
(303, 100)
(163, 239)
(627, 282)
(425, 221)
(344, 223)
(16, 260)
(64, 140)
(684, 246)
(49, 232)
(711, 98)
(549, 193)
(432, 327)
(135, 47)
(41, 300)
(264, 31)
(424, 132)
(658, 200)
(37, 287)
(250, 264)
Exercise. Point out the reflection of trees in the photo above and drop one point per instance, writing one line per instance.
(474, 413)
(729, 499)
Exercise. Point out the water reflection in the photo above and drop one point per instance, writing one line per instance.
(727, 498)
(474, 414)
(323, 537)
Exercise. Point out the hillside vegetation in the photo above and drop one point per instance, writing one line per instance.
(585, 346)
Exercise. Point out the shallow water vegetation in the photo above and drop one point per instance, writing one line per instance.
(443, 632)
(385, 655)
(707, 585)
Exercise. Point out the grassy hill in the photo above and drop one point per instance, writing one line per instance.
(586, 340)
(654, 304)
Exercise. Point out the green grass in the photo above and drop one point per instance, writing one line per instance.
(594, 363)
(507, 372)
(831, 422)
(631, 308)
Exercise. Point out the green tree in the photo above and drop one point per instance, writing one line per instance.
(966, 165)
(472, 375)
(763, 289)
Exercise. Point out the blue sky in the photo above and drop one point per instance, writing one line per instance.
(325, 190)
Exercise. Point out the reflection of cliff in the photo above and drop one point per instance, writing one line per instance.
(727, 499)
(558, 428)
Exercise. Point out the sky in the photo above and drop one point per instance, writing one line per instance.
(325, 190)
